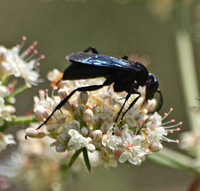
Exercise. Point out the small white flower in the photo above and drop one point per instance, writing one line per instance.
(6, 140)
(156, 131)
(77, 141)
(132, 157)
(134, 152)
(112, 141)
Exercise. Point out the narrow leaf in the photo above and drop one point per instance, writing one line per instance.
(86, 159)
(74, 157)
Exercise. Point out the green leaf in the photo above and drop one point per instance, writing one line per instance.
(86, 159)
(74, 157)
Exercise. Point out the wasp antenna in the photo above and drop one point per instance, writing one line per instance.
(160, 101)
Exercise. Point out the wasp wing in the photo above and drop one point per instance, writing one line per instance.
(104, 61)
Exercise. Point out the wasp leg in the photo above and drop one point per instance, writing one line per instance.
(131, 91)
(80, 89)
(131, 105)
(126, 99)
(93, 49)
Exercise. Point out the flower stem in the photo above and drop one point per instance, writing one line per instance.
(175, 160)
(17, 92)
(186, 59)
(22, 120)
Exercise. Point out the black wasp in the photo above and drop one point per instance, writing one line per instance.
(124, 74)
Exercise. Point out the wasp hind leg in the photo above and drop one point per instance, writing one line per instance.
(80, 89)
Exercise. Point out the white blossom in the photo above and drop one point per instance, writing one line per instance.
(111, 141)
(20, 64)
(6, 140)
(77, 141)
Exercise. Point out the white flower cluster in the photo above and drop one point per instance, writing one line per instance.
(15, 63)
(5, 109)
(87, 121)
(20, 64)
(37, 166)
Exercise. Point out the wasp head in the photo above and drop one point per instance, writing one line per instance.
(151, 88)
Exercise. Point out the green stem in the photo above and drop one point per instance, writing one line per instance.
(176, 160)
(186, 59)
(22, 120)
(16, 92)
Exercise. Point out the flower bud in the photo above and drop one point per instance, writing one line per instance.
(33, 133)
(73, 107)
(97, 134)
(61, 148)
(9, 109)
(155, 147)
(64, 138)
(62, 93)
(79, 112)
(84, 131)
(66, 128)
(88, 116)
(90, 147)
(151, 105)
(96, 121)
(90, 134)
(76, 124)
(12, 100)
(83, 97)
(39, 115)
(46, 114)
(4, 92)
(52, 75)
(68, 106)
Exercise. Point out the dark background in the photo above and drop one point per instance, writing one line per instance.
(62, 27)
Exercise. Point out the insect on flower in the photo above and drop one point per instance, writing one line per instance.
(125, 74)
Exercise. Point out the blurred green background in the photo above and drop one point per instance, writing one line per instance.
(115, 28)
